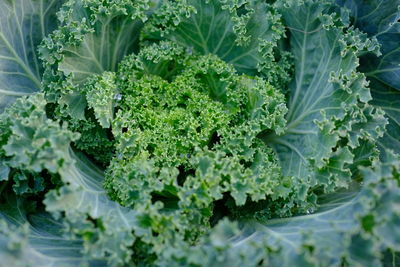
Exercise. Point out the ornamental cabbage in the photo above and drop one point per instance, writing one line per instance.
(199, 133)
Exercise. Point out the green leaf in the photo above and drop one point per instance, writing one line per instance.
(241, 33)
(388, 99)
(379, 19)
(93, 38)
(82, 199)
(102, 50)
(36, 143)
(391, 259)
(100, 97)
(353, 227)
(36, 239)
(327, 96)
(4, 171)
(23, 25)
(165, 131)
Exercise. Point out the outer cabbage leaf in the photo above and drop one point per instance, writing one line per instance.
(83, 200)
(111, 34)
(243, 33)
(356, 227)
(37, 144)
(388, 99)
(36, 239)
(23, 25)
(93, 38)
(327, 98)
(379, 19)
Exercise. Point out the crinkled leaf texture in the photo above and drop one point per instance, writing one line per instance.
(331, 132)
(36, 239)
(380, 20)
(23, 25)
(93, 38)
(328, 98)
(83, 200)
(38, 144)
(357, 226)
(215, 28)
(328, 102)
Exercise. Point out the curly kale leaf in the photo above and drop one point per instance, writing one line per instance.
(328, 103)
(35, 142)
(32, 237)
(186, 132)
(242, 33)
(380, 20)
(357, 226)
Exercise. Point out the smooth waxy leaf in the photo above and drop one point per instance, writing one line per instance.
(23, 25)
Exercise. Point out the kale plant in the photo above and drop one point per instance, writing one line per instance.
(199, 133)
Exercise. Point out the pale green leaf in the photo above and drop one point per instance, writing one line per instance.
(83, 197)
(23, 25)
(325, 94)
(36, 239)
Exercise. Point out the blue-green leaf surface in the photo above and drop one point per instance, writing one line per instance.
(326, 95)
(241, 33)
(379, 19)
(23, 25)
(36, 239)
(82, 199)
(388, 99)
(355, 227)
(93, 38)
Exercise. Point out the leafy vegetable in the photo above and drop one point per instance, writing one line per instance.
(380, 20)
(199, 133)
(23, 25)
